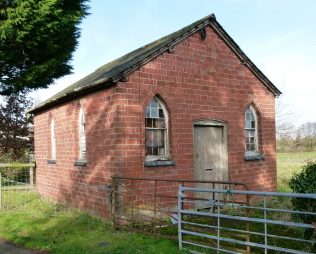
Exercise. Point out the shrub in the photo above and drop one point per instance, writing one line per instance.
(305, 182)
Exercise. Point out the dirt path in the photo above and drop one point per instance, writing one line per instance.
(9, 248)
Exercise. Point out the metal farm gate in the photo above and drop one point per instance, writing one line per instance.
(267, 224)
(149, 205)
(17, 186)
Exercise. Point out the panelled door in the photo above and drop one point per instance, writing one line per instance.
(210, 153)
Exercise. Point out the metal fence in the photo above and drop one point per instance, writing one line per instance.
(17, 186)
(273, 225)
(149, 205)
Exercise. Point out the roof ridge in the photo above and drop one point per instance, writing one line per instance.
(162, 38)
(118, 69)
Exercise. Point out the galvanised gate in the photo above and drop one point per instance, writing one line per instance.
(267, 224)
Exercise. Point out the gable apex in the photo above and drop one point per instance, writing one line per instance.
(119, 69)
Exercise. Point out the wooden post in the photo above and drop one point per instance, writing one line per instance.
(0, 191)
(31, 176)
(155, 208)
(113, 206)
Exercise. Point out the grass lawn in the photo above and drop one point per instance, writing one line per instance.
(290, 163)
(53, 228)
(56, 229)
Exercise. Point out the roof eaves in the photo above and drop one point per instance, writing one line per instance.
(126, 69)
(128, 66)
(91, 87)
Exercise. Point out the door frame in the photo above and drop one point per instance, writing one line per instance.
(214, 123)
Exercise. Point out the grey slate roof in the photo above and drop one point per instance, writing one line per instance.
(112, 72)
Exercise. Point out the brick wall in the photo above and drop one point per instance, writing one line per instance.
(198, 80)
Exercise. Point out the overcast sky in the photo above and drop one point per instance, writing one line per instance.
(279, 36)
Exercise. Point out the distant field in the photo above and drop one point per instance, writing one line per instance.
(290, 163)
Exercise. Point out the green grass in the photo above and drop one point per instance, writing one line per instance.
(290, 163)
(53, 228)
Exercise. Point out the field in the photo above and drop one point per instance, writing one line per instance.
(290, 163)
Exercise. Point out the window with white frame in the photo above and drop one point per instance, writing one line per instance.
(53, 139)
(251, 130)
(82, 136)
(156, 126)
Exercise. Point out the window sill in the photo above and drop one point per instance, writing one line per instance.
(81, 163)
(51, 162)
(159, 163)
(256, 156)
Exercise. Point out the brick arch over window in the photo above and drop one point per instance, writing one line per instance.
(156, 129)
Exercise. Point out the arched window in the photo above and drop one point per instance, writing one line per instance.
(53, 139)
(156, 125)
(82, 136)
(251, 130)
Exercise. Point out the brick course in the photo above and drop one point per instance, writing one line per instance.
(198, 80)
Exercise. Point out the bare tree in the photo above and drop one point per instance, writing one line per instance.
(285, 119)
(308, 134)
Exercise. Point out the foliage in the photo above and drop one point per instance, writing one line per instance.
(37, 38)
(288, 164)
(15, 128)
(305, 182)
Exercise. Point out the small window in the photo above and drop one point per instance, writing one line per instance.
(251, 130)
(53, 139)
(156, 125)
(82, 136)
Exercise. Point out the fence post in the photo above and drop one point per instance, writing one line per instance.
(248, 226)
(0, 191)
(218, 227)
(182, 204)
(265, 225)
(132, 204)
(180, 194)
(155, 207)
(32, 176)
(113, 205)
